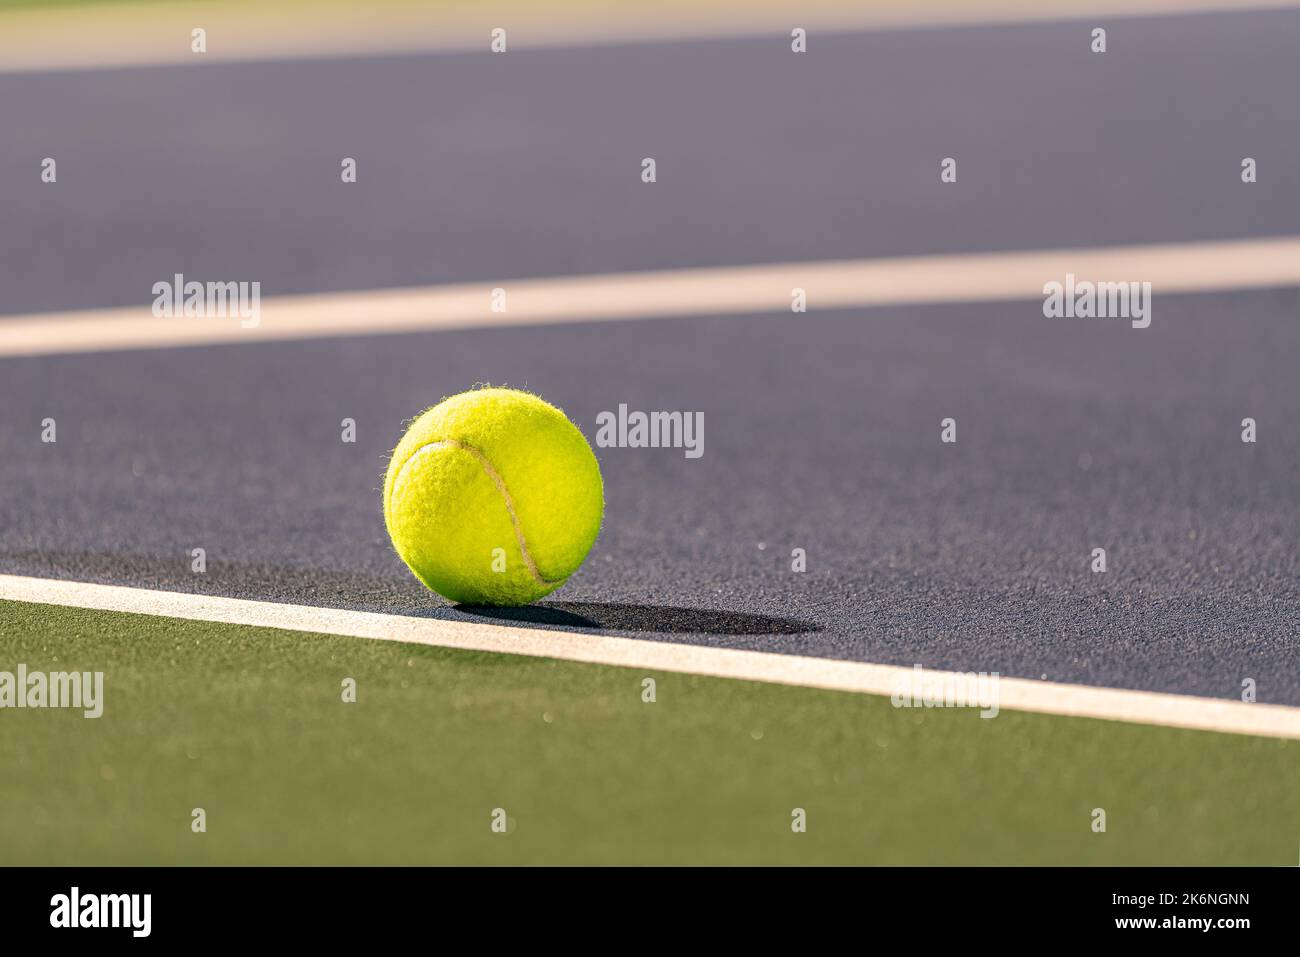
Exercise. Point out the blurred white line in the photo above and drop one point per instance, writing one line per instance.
(1017, 694)
(1175, 268)
(108, 36)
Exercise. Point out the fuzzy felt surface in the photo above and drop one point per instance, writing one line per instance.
(493, 497)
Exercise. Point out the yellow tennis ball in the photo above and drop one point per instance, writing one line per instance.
(493, 497)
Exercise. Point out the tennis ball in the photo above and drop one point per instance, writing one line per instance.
(493, 497)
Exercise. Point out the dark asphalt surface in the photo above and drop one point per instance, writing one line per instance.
(480, 167)
(821, 431)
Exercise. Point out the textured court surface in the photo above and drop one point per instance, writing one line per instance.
(821, 430)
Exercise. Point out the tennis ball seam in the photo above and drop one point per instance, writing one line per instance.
(499, 482)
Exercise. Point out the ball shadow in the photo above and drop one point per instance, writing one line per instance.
(614, 616)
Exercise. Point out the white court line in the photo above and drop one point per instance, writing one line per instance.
(92, 38)
(964, 277)
(1018, 694)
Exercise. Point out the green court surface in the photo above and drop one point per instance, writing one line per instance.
(249, 724)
